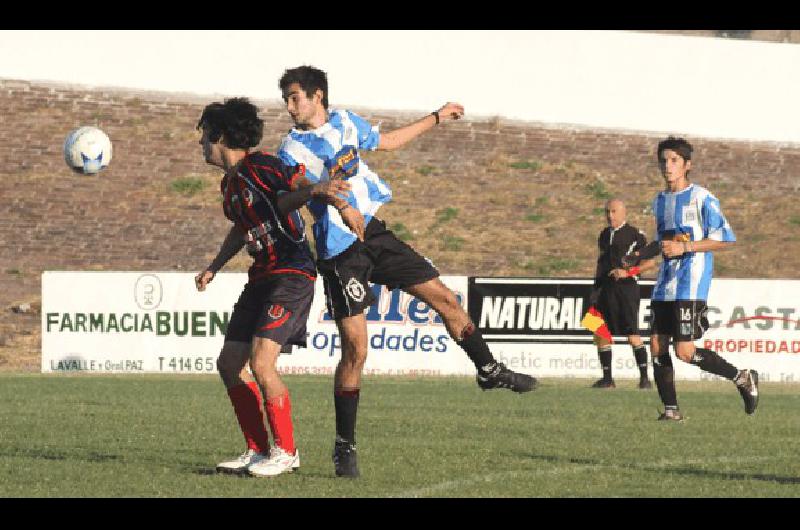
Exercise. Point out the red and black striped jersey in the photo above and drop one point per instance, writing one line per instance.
(276, 242)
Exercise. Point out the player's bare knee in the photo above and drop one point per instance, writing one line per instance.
(355, 357)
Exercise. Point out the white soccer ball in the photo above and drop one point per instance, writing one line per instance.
(87, 150)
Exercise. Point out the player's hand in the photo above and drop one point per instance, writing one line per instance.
(672, 249)
(203, 279)
(618, 274)
(451, 111)
(331, 190)
(354, 221)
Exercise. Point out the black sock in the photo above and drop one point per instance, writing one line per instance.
(664, 374)
(640, 354)
(345, 403)
(473, 344)
(605, 361)
(711, 362)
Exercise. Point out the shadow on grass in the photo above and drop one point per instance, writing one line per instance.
(727, 475)
(212, 471)
(55, 455)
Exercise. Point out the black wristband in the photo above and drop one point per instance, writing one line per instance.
(436, 115)
(346, 206)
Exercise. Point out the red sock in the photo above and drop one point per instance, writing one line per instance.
(279, 415)
(246, 400)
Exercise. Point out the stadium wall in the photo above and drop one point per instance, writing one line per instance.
(134, 216)
(131, 218)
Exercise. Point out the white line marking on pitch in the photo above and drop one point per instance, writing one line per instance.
(567, 468)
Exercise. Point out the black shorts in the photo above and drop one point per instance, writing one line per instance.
(683, 320)
(619, 304)
(381, 258)
(276, 308)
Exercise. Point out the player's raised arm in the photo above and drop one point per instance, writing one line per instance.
(399, 137)
(231, 246)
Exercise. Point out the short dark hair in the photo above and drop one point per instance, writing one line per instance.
(679, 145)
(236, 120)
(310, 80)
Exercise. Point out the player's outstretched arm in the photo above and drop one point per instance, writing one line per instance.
(332, 192)
(649, 251)
(232, 244)
(673, 249)
(399, 137)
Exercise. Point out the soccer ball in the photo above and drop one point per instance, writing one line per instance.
(87, 150)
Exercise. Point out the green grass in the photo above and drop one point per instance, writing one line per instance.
(446, 214)
(598, 190)
(795, 220)
(425, 170)
(526, 164)
(402, 232)
(452, 243)
(554, 265)
(160, 436)
(187, 186)
(534, 217)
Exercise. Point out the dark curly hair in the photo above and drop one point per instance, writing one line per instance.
(236, 120)
(310, 80)
(679, 145)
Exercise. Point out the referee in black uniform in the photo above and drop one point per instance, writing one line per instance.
(616, 291)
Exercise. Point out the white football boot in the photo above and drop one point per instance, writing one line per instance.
(240, 463)
(279, 462)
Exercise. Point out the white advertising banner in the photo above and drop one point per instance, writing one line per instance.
(533, 325)
(158, 322)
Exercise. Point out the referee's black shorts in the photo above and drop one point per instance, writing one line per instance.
(381, 258)
(619, 304)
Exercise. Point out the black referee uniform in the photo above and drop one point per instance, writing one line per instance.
(618, 300)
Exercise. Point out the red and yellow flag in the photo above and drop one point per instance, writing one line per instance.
(593, 321)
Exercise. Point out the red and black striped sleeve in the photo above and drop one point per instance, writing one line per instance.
(274, 173)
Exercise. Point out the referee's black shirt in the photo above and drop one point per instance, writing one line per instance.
(613, 245)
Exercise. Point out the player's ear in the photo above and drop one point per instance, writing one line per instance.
(688, 165)
(318, 95)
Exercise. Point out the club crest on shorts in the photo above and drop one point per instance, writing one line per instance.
(355, 290)
(275, 311)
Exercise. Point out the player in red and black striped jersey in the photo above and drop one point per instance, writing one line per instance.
(261, 196)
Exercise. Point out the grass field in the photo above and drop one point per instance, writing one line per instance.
(160, 436)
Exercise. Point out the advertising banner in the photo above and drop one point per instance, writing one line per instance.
(533, 325)
(142, 322)
(158, 322)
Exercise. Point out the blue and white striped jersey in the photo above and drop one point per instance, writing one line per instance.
(692, 214)
(317, 149)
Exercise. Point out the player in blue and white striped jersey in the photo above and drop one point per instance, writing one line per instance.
(690, 226)
(327, 143)
(333, 147)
